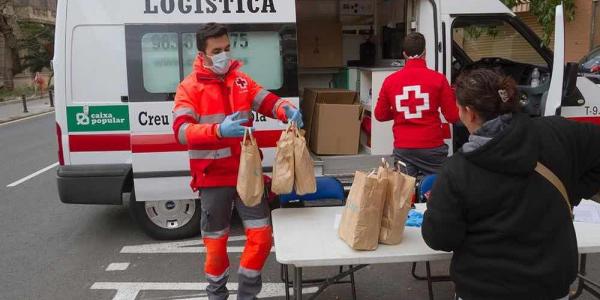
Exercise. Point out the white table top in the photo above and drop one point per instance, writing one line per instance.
(588, 237)
(307, 237)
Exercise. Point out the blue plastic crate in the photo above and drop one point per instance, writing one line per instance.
(328, 188)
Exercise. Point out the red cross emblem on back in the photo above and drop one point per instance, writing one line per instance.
(241, 82)
(412, 102)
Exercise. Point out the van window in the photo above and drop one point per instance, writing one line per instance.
(97, 69)
(160, 62)
(160, 56)
(259, 52)
(495, 39)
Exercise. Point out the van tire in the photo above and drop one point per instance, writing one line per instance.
(190, 229)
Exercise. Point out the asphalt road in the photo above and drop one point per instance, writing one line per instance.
(50, 250)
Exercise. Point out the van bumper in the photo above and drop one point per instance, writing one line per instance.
(93, 184)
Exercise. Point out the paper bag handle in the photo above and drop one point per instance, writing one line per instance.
(297, 131)
(248, 133)
(401, 164)
(291, 126)
(384, 163)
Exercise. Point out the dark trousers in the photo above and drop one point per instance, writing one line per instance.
(421, 161)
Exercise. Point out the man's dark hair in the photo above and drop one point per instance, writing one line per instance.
(207, 31)
(414, 44)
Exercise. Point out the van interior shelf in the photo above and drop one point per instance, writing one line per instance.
(308, 71)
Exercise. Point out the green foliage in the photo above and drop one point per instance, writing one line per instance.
(6, 94)
(475, 32)
(37, 43)
(545, 12)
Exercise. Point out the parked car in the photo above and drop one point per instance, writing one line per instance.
(590, 66)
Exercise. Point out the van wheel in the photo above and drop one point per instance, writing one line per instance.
(167, 220)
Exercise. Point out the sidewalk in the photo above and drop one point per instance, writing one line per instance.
(13, 110)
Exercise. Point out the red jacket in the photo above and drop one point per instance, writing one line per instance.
(203, 100)
(413, 97)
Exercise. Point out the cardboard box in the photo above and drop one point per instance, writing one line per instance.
(312, 96)
(320, 44)
(332, 121)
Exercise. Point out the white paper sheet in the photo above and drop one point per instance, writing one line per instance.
(587, 212)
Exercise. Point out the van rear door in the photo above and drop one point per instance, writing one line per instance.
(97, 120)
(160, 164)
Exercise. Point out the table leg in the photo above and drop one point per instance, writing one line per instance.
(298, 283)
(581, 283)
(590, 286)
(429, 280)
(286, 280)
(353, 283)
(414, 272)
(585, 283)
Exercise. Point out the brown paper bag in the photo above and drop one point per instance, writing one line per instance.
(306, 183)
(361, 219)
(283, 166)
(250, 183)
(399, 193)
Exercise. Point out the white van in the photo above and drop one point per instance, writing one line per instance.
(117, 64)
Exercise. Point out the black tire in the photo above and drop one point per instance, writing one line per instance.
(190, 229)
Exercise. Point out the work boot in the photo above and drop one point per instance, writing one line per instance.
(217, 287)
(249, 284)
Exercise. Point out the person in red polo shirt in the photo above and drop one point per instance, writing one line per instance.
(413, 98)
(213, 107)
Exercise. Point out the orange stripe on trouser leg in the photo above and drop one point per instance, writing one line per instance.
(257, 249)
(217, 260)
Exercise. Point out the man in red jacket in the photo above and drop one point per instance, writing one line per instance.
(213, 107)
(413, 98)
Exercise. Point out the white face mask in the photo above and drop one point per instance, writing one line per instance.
(221, 63)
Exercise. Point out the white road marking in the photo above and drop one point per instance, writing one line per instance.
(195, 246)
(130, 290)
(28, 118)
(164, 250)
(32, 175)
(117, 267)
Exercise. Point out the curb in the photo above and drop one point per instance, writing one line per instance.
(7, 102)
(31, 115)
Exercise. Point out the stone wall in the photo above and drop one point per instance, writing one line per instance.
(42, 11)
(38, 4)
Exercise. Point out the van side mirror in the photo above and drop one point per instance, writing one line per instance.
(571, 95)
(571, 74)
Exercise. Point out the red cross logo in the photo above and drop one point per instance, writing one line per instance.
(241, 82)
(412, 102)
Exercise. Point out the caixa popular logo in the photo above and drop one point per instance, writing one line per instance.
(98, 118)
(210, 6)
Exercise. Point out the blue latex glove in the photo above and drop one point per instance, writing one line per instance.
(231, 127)
(293, 115)
(415, 219)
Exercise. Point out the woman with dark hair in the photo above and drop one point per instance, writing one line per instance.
(503, 203)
